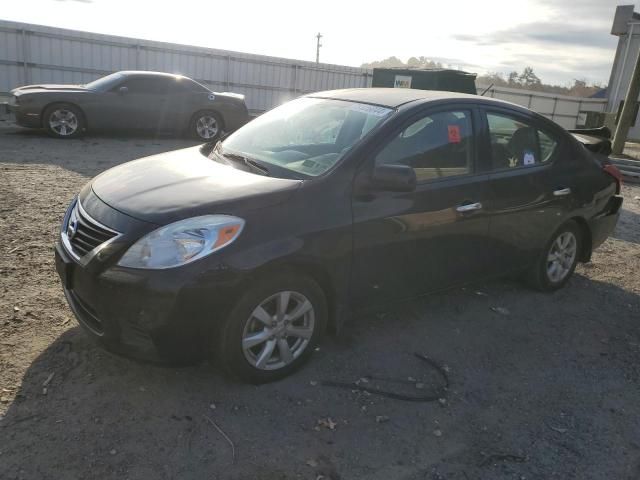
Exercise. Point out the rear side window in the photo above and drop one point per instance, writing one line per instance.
(515, 143)
(435, 146)
(147, 85)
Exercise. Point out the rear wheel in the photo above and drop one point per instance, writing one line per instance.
(63, 121)
(273, 329)
(206, 126)
(558, 260)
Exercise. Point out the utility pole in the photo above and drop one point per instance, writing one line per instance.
(318, 45)
(628, 109)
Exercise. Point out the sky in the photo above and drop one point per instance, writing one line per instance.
(560, 41)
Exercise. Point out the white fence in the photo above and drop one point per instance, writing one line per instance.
(565, 110)
(31, 54)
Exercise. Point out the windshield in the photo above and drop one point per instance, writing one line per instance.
(105, 83)
(307, 135)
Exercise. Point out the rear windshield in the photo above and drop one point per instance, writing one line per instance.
(307, 135)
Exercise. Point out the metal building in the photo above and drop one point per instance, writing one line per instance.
(626, 26)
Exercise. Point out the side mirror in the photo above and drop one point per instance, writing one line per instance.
(394, 178)
(123, 90)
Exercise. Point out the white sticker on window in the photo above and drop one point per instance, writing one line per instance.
(529, 158)
(370, 109)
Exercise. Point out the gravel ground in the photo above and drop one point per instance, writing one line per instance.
(544, 387)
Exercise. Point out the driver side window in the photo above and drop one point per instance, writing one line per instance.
(435, 146)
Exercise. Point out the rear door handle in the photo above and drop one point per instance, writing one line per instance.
(469, 207)
(561, 192)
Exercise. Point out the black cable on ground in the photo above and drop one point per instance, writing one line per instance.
(439, 393)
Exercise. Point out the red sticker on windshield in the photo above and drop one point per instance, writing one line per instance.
(454, 133)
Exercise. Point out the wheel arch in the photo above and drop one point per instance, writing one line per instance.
(316, 272)
(62, 102)
(586, 239)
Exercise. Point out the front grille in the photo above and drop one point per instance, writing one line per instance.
(83, 233)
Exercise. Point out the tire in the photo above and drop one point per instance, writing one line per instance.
(63, 120)
(242, 327)
(542, 276)
(206, 125)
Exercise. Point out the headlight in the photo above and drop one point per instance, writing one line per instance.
(183, 242)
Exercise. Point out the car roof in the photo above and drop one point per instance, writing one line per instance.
(145, 73)
(395, 97)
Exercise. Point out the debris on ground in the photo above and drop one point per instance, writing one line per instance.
(501, 457)
(226, 437)
(558, 429)
(501, 310)
(381, 418)
(48, 380)
(326, 423)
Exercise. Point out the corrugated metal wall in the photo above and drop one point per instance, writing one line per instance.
(32, 54)
(562, 109)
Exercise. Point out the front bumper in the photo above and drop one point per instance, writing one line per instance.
(25, 117)
(161, 316)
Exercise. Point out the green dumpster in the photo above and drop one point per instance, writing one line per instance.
(425, 79)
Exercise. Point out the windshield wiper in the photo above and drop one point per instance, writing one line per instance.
(251, 164)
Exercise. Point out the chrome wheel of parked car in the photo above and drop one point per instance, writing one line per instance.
(207, 126)
(63, 121)
(278, 330)
(562, 256)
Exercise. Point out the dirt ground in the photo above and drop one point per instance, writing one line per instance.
(543, 386)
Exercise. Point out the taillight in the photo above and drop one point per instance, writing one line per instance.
(615, 173)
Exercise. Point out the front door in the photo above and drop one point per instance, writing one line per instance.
(140, 107)
(434, 237)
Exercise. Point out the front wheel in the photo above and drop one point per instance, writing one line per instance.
(273, 329)
(558, 260)
(206, 126)
(63, 121)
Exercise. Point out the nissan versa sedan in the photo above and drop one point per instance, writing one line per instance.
(131, 100)
(247, 251)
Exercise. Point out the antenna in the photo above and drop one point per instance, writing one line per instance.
(318, 45)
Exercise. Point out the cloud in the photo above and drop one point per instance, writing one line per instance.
(545, 33)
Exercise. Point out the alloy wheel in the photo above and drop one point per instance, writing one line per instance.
(561, 257)
(278, 330)
(63, 122)
(207, 127)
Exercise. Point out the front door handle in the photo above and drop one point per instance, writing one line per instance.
(469, 207)
(561, 192)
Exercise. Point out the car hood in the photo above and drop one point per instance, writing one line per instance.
(48, 88)
(184, 183)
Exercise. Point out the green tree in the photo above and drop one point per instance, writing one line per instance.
(513, 79)
(529, 79)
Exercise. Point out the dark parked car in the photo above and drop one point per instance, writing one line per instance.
(247, 251)
(151, 101)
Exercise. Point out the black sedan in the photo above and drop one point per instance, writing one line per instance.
(249, 250)
(151, 101)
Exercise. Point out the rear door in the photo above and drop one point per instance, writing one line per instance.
(434, 237)
(532, 187)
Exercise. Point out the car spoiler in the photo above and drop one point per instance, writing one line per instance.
(598, 140)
